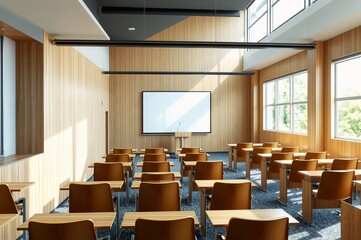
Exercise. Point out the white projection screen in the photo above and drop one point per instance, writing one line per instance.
(169, 112)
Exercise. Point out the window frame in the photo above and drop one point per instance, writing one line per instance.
(1, 98)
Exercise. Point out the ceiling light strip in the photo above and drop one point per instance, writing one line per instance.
(181, 44)
(175, 73)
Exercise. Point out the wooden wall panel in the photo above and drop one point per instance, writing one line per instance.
(230, 94)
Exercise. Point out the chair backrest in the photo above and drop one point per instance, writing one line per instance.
(7, 204)
(316, 155)
(75, 230)
(156, 167)
(169, 176)
(155, 157)
(174, 229)
(113, 171)
(246, 229)
(191, 150)
(154, 150)
(228, 196)
(122, 151)
(274, 167)
(196, 157)
(270, 144)
(95, 197)
(241, 153)
(160, 196)
(335, 185)
(290, 149)
(344, 163)
(257, 159)
(301, 165)
(123, 157)
(208, 170)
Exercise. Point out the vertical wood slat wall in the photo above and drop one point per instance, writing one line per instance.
(230, 94)
(76, 96)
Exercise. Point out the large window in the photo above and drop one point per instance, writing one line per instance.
(347, 104)
(258, 20)
(285, 104)
(282, 10)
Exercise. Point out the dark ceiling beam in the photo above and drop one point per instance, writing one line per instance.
(181, 44)
(170, 11)
(175, 73)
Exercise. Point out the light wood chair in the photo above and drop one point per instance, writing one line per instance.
(350, 221)
(316, 155)
(156, 167)
(7, 204)
(121, 157)
(192, 157)
(270, 144)
(122, 151)
(246, 229)
(172, 229)
(112, 172)
(155, 157)
(344, 163)
(228, 196)
(290, 149)
(241, 154)
(160, 196)
(294, 178)
(75, 230)
(191, 150)
(154, 150)
(256, 159)
(274, 168)
(169, 176)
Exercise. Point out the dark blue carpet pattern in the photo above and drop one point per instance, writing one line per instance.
(326, 221)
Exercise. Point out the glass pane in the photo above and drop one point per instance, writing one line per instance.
(283, 10)
(284, 118)
(300, 118)
(258, 30)
(256, 10)
(270, 118)
(283, 90)
(348, 82)
(348, 119)
(270, 93)
(300, 87)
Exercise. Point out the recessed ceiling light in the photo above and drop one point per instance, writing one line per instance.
(131, 28)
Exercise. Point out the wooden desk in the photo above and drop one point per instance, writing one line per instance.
(116, 186)
(142, 155)
(134, 150)
(100, 219)
(203, 186)
(140, 164)
(358, 182)
(130, 217)
(138, 175)
(7, 225)
(181, 157)
(136, 184)
(143, 150)
(125, 164)
(232, 154)
(284, 166)
(17, 186)
(220, 218)
(131, 156)
(248, 159)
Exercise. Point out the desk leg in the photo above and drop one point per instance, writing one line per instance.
(230, 157)
(283, 185)
(190, 186)
(264, 174)
(248, 165)
(234, 158)
(203, 212)
(117, 224)
(307, 201)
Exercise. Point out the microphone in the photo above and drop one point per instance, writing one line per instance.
(178, 126)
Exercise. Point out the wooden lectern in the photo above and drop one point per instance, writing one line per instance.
(181, 139)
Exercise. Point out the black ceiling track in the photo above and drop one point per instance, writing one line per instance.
(175, 73)
(182, 44)
(170, 11)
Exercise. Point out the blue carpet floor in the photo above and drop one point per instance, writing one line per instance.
(326, 221)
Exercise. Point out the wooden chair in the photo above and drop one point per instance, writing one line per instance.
(274, 168)
(344, 163)
(256, 160)
(169, 176)
(241, 153)
(161, 196)
(265, 229)
(154, 150)
(112, 172)
(294, 178)
(192, 157)
(156, 167)
(75, 230)
(316, 155)
(155, 157)
(228, 196)
(171, 229)
(191, 150)
(270, 144)
(290, 149)
(350, 221)
(122, 151)
(7, 204)
(122, 157)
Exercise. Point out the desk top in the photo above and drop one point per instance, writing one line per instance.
(100, 219)
(17, 186)
(131, 156)
(208, 184)
(193, 163)
(125, 164)
(143, 150)
(140, 164)
(138, 175)
(183, 155)
(319, 162)
(235, 145)
(142, 155)
(136, 184)
(276, 149)
(296, 154)
(130, 217)
(5, 218)
(134, 150)
(114, 185)
(220, 218)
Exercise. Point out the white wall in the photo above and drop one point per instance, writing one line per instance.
(98, 55)
(9, 96)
